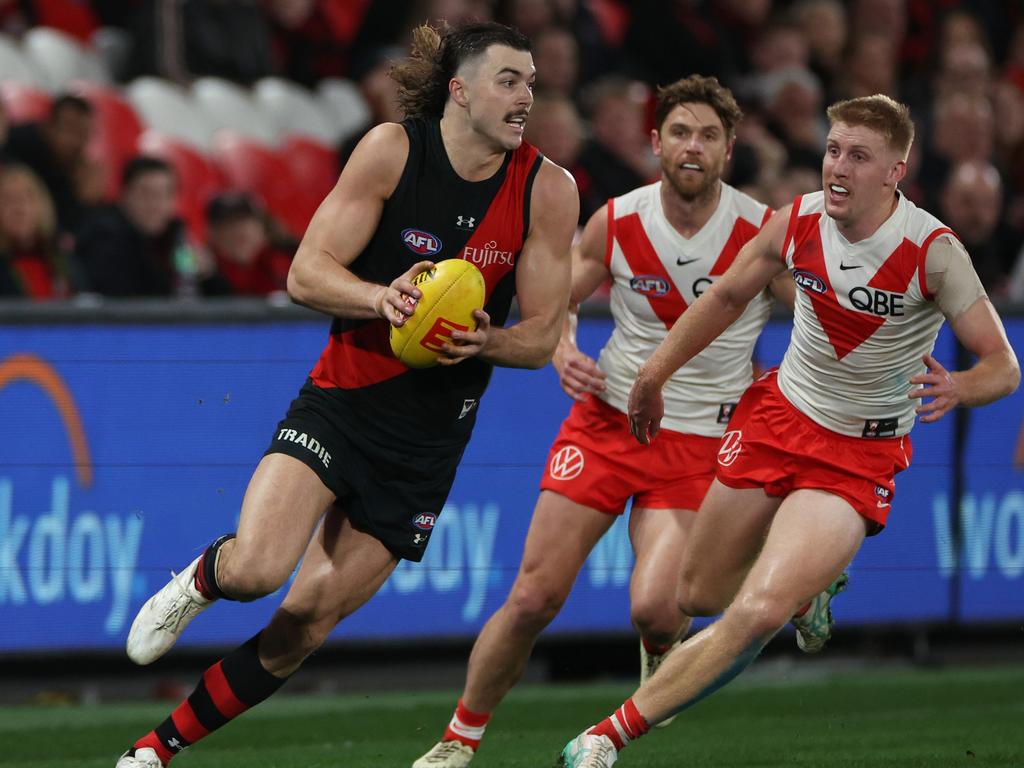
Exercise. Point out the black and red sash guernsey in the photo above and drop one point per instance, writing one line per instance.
(432, 214)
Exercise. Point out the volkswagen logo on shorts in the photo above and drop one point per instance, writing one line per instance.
(809, 281)
(730, 447)
(566, 464)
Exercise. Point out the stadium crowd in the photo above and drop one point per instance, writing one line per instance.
(106, 189)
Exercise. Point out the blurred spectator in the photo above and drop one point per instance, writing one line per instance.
(794, 113)
(73, 17)
(618, 156)
(379, 91)
(871, 67)
(4, 130)
(530, 17)
(183, 39)
(137, 247)
(887, 18)
(963, 130)
(32, 262)
(823, 26)
(670, 39)
(245, 262)
(792, 182)
(557, 59)
(313, 39)
(555, 128)
(55, 150)
(964, 68)
(971, 204)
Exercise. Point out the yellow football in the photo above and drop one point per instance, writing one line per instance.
(451, 291)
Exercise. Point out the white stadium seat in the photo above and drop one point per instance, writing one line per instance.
(61, 58)
(346, 103)
(16, 66)
(227, 105)
(167, 108)
(294, 111)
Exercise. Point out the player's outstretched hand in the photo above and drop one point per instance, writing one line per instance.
(577, 372)
(466, 343)
(936, 383)
(396, 302)
(645, 408)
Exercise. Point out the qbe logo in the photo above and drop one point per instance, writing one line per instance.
(732, 444)
(566, 464)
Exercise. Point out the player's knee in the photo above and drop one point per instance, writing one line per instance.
(657, 618)
(533, 606)
(760, 614)
(699, 598)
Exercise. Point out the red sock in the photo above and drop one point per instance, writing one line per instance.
(653, 648)
(623, 726)
(466, 726)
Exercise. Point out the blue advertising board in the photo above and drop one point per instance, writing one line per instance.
(127, 448)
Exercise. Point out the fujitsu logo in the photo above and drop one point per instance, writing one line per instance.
(489, 254)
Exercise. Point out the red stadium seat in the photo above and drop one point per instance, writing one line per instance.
(117, 129)
(256, 168)
(198, 178)
(313, 164)
(24, 103)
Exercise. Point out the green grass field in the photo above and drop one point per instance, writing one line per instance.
(898, 719)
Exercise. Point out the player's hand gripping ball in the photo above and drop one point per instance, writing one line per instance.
(452, 290)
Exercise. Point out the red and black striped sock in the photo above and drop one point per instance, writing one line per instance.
(206, 574)
(226, 690)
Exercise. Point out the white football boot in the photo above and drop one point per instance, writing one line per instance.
(649, 663)
(144, 757)
(446, 754)
(163, 618)
(814, 627)
(588, 751)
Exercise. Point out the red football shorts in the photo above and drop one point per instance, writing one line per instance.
(769, 444)
(596, 462)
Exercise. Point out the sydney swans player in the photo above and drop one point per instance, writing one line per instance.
(806, 469)
(455, 175)
(662, 245)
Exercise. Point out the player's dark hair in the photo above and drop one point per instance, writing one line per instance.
(143, 164)
(880, 113)
(697, 89)
(436, 56)
(71, 103)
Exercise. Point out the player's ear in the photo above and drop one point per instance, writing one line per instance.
(457, 91)
(656, 142)
(897, 172)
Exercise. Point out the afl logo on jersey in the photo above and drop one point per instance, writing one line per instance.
(650, 285)
(425, 521)
(808, 281)
(420, 242)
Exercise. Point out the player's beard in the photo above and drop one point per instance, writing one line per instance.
(691, 193)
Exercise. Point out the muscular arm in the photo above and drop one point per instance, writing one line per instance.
(756, 265)
(577, 372)
(341, 228)
(542, 275)
(958, 292)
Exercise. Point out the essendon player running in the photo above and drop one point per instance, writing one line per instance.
(663, 245)
(806, 469)
(360, 467)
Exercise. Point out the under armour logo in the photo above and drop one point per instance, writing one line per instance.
(566, 464)
(175, 745)
(467, 406)
(466, 222)
(419, 537)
